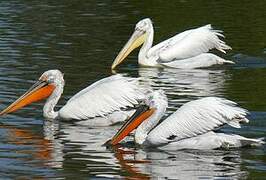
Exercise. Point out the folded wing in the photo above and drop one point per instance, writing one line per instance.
(188, 44)
(103, 97)
(197, 117)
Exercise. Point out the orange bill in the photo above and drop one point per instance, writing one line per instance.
(37, 92)
(141, 114)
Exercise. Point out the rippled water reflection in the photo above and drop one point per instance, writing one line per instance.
(81, 39)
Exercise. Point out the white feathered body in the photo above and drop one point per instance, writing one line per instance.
(192, 126)
(185, 50)
(104, 100)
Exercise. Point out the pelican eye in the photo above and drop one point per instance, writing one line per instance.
(141, 28)
(152, 103)
(51, 79)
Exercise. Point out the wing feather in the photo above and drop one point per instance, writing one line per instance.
(197, 117)
(103, 97)
(188, 44)
(158, 48)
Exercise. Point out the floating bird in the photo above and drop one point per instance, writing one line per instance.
(107, 99)
(192, 126)
(188, 49)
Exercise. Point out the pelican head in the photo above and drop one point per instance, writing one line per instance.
(137, 38)
(144, 119)
(42, 89)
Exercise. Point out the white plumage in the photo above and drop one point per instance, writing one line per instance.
(185, 50)
(108, 101)
(197, 117)
(192, 126)
(189, 44)
(103, 97)
(212, 140)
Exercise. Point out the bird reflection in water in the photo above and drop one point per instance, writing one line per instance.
(187, 164)
(128, 159)
(45, 150)
(182, 85)
(135, 163)
(85, 143)
(185, 82)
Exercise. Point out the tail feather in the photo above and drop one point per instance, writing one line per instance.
(219, 44)
(252, 142)
(223, 61)
(228, 62)
(235, 141)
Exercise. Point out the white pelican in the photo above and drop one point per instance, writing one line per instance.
(192, 126)
(106, 99)
(185, 50)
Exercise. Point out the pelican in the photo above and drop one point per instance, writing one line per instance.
(192, 126)
(107, 99)
(188, 49)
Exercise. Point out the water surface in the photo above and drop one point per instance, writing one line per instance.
(82, 39)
